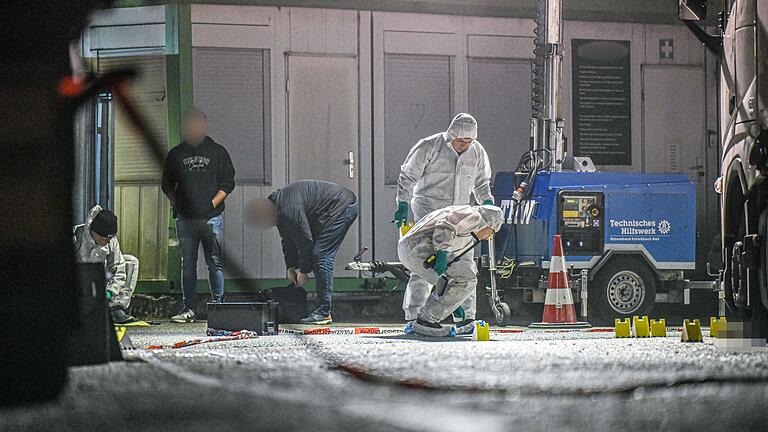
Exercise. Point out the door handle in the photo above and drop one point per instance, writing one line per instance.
(351, 164)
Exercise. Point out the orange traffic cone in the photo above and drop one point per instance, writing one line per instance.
(558, 303)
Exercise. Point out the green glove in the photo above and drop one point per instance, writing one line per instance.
(401, 215)
(459, 314)
(109, 294)
(488, 202)
(441, 262)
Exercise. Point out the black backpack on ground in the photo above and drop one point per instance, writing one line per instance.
(291, 302)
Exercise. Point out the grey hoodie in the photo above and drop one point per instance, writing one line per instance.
(86, 250)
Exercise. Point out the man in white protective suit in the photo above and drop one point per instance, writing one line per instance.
(440, 171)
(96, 241)
(439, 237)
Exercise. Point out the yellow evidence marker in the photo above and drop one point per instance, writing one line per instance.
(716, 325)
(658, 328)
(641, 327)
(691, 331)
(120, 332)
(482, 331)
(623, 328)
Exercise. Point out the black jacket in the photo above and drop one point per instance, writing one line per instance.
(193, 175)
(304, 209)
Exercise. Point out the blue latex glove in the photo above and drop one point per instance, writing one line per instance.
(401, 215)
(488, 202)
(441, 262)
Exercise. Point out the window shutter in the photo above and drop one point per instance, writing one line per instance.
(134, 159)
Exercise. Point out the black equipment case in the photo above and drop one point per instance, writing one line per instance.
(261, 317)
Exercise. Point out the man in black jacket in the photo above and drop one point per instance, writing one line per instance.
(198, 176)
(312, 217)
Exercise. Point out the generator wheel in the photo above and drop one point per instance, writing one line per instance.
(502, 314)
(622, 288)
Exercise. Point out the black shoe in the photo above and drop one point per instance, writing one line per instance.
(120, 317)
(432, 329)
(428, 324)
(317, 318)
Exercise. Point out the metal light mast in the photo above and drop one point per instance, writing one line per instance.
(546, 122)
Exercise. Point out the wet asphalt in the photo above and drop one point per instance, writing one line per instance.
(529, 381)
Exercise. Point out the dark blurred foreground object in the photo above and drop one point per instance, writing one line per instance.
(93, 339)
(37, 267)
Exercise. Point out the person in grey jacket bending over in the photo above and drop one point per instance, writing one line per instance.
(313, 218)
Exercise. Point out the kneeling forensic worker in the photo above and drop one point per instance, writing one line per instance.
(437, 239)
(96, 241)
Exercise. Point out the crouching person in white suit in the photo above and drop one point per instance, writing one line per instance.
(445, 233)
(96, 241)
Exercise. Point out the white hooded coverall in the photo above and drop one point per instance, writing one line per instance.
(449, 229)
(435, 176)
(122, 270)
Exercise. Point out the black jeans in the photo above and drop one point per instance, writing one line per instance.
(191, 233)
(323, 253)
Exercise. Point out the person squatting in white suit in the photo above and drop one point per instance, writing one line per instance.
(445, 233)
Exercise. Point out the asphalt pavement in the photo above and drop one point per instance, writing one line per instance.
(520, 380)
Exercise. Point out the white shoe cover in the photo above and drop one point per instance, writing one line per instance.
(409, 327)
(466, 329)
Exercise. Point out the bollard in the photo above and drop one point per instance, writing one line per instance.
(482, 331)
(691, 331)
(716, 325)
(622, 328)
(658, 328)
(641, 327)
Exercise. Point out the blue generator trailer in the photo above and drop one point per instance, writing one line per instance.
(627, 240)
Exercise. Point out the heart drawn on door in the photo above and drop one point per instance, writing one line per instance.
(417, 113)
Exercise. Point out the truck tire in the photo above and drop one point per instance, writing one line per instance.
(624, 287)
(760, 294)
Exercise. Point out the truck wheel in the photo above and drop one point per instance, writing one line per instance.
(622, 288)
(760, 293)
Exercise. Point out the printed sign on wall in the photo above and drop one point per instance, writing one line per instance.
(602, 104)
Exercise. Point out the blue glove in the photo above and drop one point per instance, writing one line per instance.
(441, 262)
(109, 294)
(401, 215)
(488, 202)
(459, 314)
